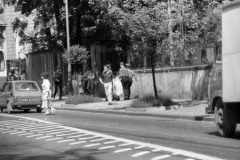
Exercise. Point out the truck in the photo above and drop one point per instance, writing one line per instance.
(224, 81)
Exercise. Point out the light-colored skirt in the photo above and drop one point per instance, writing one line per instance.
(46, 103)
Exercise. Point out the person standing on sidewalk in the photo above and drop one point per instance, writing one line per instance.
(106, 79)
(57, 77)
(131, 74)
(46, 94)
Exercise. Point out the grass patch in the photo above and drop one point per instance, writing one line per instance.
(151, 101)
(79, 99)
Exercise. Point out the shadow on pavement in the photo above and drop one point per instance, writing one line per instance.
(77, 154)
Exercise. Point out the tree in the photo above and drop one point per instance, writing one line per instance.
(147, 26)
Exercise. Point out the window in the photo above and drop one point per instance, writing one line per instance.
(2, 61)
(25, 86)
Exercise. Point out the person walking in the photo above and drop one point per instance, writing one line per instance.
(126, 80)
(57, 78)
(106, 79)
(46, 95)
(117, 87)
(131, 74)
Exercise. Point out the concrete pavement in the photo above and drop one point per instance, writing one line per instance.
(191, 110)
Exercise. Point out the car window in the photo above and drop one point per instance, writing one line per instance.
(26, 86)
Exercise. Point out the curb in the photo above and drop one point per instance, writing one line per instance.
(184, 117)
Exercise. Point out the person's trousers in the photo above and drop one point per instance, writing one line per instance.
(126, 83)
(90, 87)
(108, 91)
(56, 86)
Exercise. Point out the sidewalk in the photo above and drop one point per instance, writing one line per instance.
(192, 110)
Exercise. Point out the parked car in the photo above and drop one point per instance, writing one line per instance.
(21, 95)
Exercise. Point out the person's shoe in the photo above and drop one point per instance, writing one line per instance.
(46, 113)
(110, 103)
(118, 99)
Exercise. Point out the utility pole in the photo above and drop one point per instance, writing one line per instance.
(170, 34)
(68, 48)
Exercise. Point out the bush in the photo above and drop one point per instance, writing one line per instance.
(79, 99)
(139, 104)
(150, 100)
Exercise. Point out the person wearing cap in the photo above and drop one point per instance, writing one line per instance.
(57, 78)
(106, 79)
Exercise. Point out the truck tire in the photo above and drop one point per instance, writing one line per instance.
(224, 126)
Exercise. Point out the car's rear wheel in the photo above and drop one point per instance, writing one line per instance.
(9, 107)
(39, 110)
(26, 110)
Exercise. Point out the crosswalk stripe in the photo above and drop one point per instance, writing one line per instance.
(54, 139)
(125, 144)
(140, 153)
(161, 157)
(97, 140)
(107, 147)
(66, 140)
(34, 135)
(139, 147)
(81, 135)
(51, 131)
(25, 134)
(79, 142)
(64, 131)
(59, 135)
(157, 150)
(123, 150)
(110, 142)
(19, 132)
(43, 137)
(92, 145)
(87, 138)
(190, 159)
(10, 131)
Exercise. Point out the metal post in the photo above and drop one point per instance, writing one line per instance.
(68, 49)
(170, 34)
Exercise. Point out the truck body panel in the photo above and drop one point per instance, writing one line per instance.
(231, 52)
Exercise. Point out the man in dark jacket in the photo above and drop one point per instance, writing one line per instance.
(57, 78)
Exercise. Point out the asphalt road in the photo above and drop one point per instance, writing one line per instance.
(128, 137)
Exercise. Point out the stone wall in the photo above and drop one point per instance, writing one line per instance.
(178, 83)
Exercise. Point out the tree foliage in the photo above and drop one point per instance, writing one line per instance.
(78, 54)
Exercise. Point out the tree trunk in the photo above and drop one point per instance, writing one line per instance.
(153, 76)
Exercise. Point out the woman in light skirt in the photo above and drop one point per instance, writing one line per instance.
(46, 94)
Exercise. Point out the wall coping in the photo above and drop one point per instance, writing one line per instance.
(174, 69)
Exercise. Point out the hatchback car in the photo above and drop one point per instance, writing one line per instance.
(21, 95)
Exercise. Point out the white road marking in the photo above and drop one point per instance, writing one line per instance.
(34, 135)
(92, 145)
(140, 153)
(54, 139)
(97, 140)
(53, 131)
(4, 129)
(64, 131)
(125, 144)
(157, 150)
(25, 134)
(190, 159)
(123, 150)
(110, 142)
(81, 135)
(139, 147)
(59, 135)
(87, 138)
(107, 147)
(10, 131)
(161, 157)
(66, 140)
(43, 137)
(123, 140)
(19, 132)
(79, 142)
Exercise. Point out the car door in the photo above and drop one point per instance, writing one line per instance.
(2, 94)
(6, 93)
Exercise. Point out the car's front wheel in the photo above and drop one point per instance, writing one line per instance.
(224, 126)
(39, 110)
(9, 107)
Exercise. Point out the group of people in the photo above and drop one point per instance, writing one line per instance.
(14, 76)
(118, 84)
